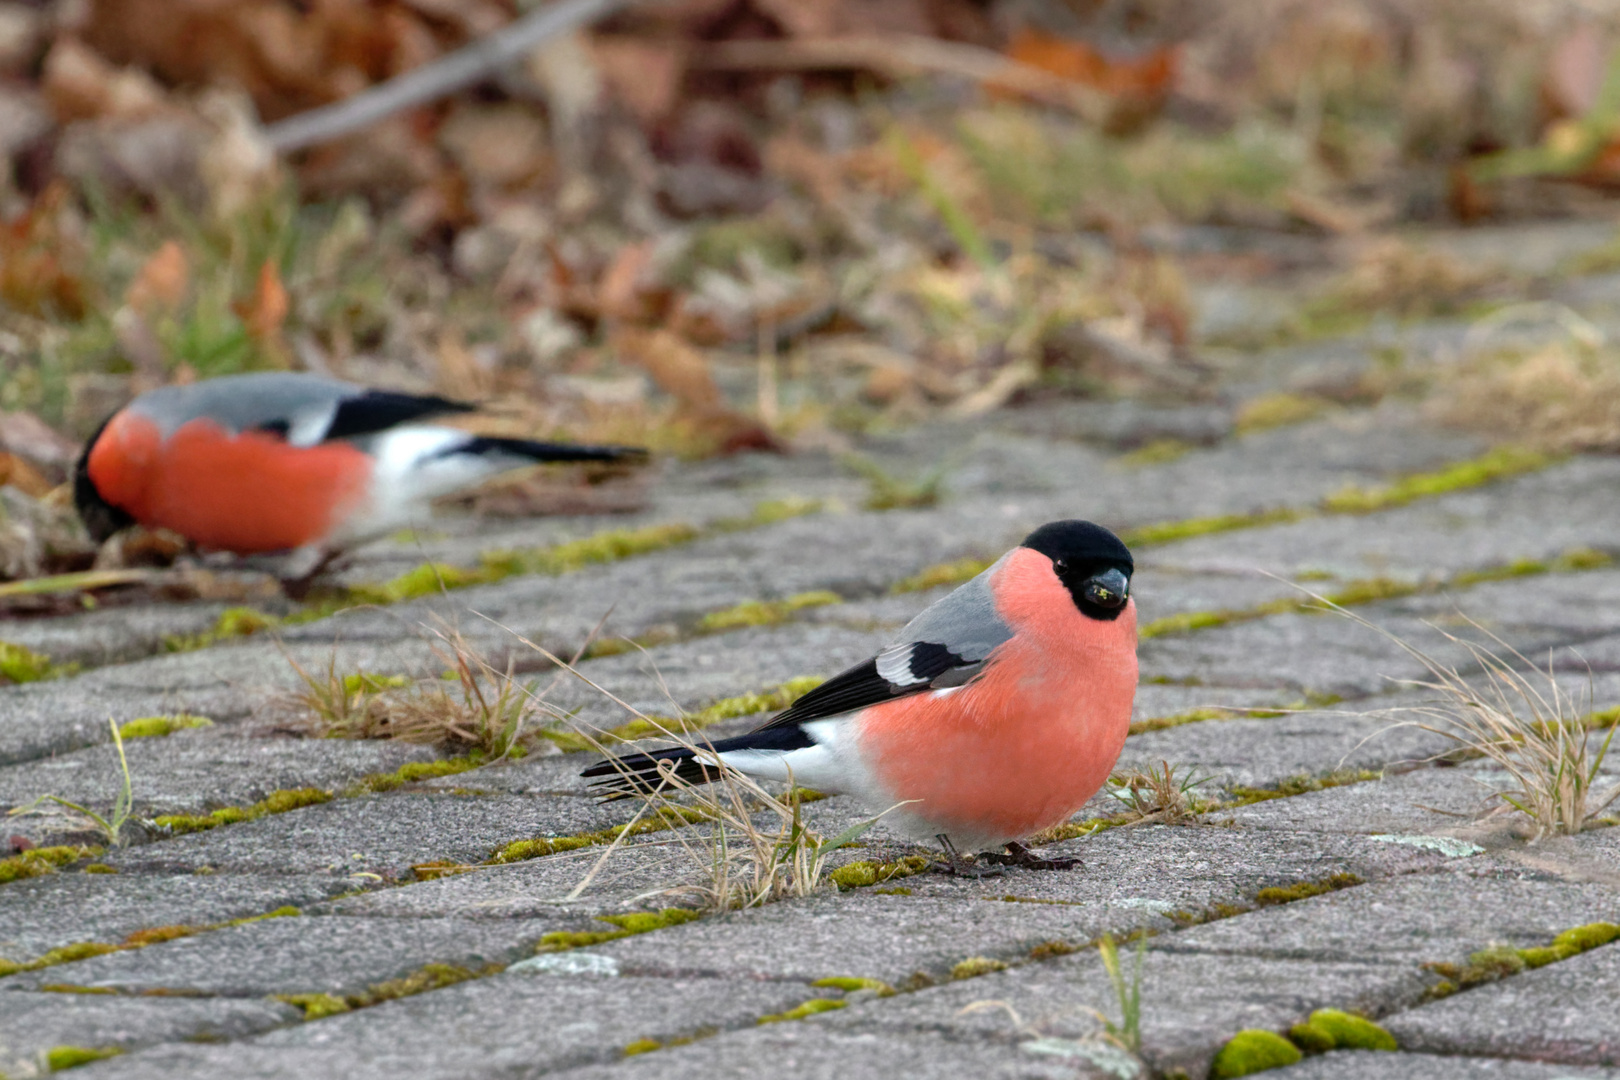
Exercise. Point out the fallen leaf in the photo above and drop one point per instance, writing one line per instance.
(267, 310)
(1140, 83)
(161, 282)
(679, 370)
(643, 75)
(17, 473)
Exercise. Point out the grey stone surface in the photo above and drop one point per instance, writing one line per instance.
(33, 1023)
(299, 955)
(1566, 1012)
(1372, 1065)
(375, 834)
(1191, 1004)
(507, 1025)
(1439, 918)
(44, 913)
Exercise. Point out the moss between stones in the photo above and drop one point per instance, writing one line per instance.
(157, 727)
(232, 622)
(1165, 532)
(772, 700)
(1251, 1051)
(764, 612)
(428, 977)
(642, 1046)
(277, 802)
(1287, 894)
(1191, 716)
(850, 984)
(20, 665)
(1299, 785)
(315, 1006)
(1497, 464)
(1333, 1029)
(809, 1008)
(84, 950)
(636, 922)
(948, 573)
(1498, 962)
(861, 875)
(1278, 410)
(58, 1058)
(36, 862)
(974, 966)
(74, 988)
(667, 817)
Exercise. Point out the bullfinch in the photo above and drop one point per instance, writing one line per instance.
(996, 713)
(283, 461)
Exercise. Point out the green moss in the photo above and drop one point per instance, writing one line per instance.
(1165, 532)
(1287, 894)
(947, 573)
(642, 1046)
(411, 772)
(764, 612)
(20, 665)
(1157, 452)
(315, 1006)
(809, 1008)
(232, 622)
(75, 988)
(1309, 1038)
(860, 875)
(1300, 785)
(1278, 410)
(772, 700)
(637, 922)
(42, 860)
(159, 934)
(157, 727)
(277, 802)
(1497, 464)
(58, 1058)
(1191, 716)
(1544, 955)
(769, 512)
(1347, 1031)
(428, 977)
(1586, 937)
(899, 890)
(667, 817)
(1048, 950)
(850, 984)
(1251, 1051)
(98, 868)
(974, 966)
(1187, 622)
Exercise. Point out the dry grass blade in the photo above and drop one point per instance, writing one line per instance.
(1515, 714)
(1161, 795)
(757, 848)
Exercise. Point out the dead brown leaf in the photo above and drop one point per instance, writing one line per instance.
(679, 370)
(266, 310)
(161, 283)
(17, 473)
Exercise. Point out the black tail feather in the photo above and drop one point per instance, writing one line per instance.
(549, 451)
(638, 774)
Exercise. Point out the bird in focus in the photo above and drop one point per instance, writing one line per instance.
(996, 713)
(288, 462)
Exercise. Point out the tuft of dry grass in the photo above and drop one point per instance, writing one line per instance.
(1516, 714)
(1563, 397)
(757, 847)
(1163, 795)
(473, 707)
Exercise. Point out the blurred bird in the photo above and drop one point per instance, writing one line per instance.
(282, 461)
(996, 713)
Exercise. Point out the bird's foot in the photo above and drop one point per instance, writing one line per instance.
(302, 568)
(1019, 855)
(957, 866)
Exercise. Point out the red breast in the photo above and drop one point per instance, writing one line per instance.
(247, 493)
(1028, 742)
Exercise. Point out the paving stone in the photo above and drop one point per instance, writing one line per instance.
(33, 1023)
(1539, 516)
(1132, 878)
(510, 1025)
(299, 955)
(44, 913)
(1365, 1064)
(111, 635)
(375, 834)
(198, 770)
(1568, 1012)
(1439, 917)
(1191, 1004)
(811, 1052)
(1441, 801)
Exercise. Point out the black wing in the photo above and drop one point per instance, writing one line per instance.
(379, 410)
(907, 669)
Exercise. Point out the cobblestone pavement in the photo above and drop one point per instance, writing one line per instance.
(1366, 884)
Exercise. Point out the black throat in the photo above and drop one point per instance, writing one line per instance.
(101, 518)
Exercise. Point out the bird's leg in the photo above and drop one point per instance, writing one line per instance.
(957, 866)
(303, 567)
(1019, 855)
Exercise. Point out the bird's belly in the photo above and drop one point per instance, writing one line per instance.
(984, 768)
(245, 493)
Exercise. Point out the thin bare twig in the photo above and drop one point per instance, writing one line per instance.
(428, 83)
